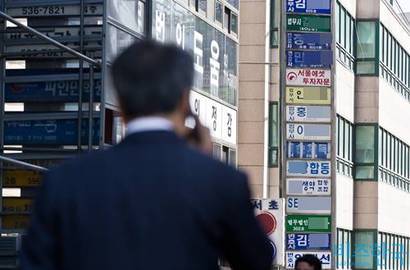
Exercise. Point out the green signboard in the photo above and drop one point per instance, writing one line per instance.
(308, 23)
(308, 223)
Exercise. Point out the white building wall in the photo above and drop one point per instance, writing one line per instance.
(394, 112)
(393, 23)
(344, 202)
(345, 85)
(394, 209)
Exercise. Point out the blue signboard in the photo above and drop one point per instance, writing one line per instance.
(50, 91)
(47, 85)
(48, 132)
(309, 6)
(310, 41)
(305, 241)
(310, 59)
(309, 150)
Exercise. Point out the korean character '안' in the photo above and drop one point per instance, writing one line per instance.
(257, 204)
(314, 167)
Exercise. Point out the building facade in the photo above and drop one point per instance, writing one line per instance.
(368, 145)
(46, 92)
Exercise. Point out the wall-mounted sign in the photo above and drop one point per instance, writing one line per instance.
(308, 23)
(308, 113)
(17, 205)
(308, 186)
(324, 257)
(308, 150)
(316, 132)
(219, 118)
(309, 59)
(32, 10)
(269, 213)
(309, 205)
(304, 241)
(57, 33)
(308, 223)
(309, 6)
(308, 95)
(47, 132)
(21, 178)
(309, 41)
(308, 168)
(15, 222)
(308, 77)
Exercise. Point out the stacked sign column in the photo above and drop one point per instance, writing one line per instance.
(307, 120)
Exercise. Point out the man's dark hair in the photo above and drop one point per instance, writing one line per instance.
(312, 260)
(150, 78)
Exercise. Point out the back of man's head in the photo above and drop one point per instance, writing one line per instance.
(151, 78)
(308, 262)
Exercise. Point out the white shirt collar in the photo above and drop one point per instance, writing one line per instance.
(150, 123)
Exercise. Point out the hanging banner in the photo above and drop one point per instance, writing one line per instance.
(308, 23)
(309, 6)
(305, 241)
(308, 150)
(308, 113)
(309, 205)
(269, 213)
(308, 223)
(309, 41)
(310, 59)
(308, 168)
(308, 77)
(324, 257)
(308, 186)
(315, 132)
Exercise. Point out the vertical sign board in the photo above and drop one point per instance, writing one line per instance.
(269, 213)
(307, 101)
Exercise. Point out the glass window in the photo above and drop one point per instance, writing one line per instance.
(202, 7)
(365, 144)
(366, 39)
(130, 13)
(234, 23)
(365, 241)
(227, 19)
(219, 12)
(273, 134)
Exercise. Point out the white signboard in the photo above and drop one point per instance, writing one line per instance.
(308, 168)
(308, 186)
(309, 205)
(308, 113)
(219, 118)
(324, 257)
(308, 132)
(308, 77)
(270, 213)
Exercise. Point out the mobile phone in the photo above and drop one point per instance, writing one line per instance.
(192, 123)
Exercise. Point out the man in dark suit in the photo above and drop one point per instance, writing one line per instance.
(153, 202)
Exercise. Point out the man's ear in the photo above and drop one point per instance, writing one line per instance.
(184, 104)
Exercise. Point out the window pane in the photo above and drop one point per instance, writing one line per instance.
(234, 23)
(218, 12)
(273, 134)
(364, 243)
(365, 144)
(366, 67)
(365, 172)
(366, 40)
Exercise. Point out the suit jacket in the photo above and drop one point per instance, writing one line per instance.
(150, 203)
